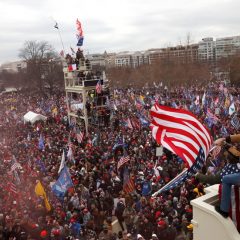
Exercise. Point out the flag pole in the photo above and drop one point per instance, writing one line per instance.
(169, 183)
(59, 34)
(61, 40)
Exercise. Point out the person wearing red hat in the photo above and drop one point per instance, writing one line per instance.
(43, 234)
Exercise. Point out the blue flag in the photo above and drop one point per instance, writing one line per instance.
(80, 41)
(41, 143)
(143, 121)
(41, 165)
(63, 183)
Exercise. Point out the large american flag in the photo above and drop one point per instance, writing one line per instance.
(180, 131)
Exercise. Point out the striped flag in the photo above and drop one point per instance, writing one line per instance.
(79, 136)
(122, 161)
(212, 117)
(179, 131)
(235, 122)
(12, 188)
(15, 166)
(99, 87)
(135, 123)
(128, 182)
(80, 36)
(129, 123)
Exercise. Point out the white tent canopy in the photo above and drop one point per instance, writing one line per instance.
(33, 117)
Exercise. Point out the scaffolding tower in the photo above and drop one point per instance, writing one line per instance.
(84, 105)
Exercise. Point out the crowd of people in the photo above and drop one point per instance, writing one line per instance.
(110, 198)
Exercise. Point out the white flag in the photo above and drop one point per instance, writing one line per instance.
(203, 98)
(62, 164)
(231, 109)
(70, 153)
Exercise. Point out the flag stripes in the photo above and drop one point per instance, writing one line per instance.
(12, 188)
(99, 87)
(122, 161)
(128, 182)
(15, 166)
(180, 132)
(79, 137)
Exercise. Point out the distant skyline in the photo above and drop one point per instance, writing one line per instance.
(114, 26)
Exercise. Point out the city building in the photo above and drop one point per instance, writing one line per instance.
(179, 53)
(206, 50)
(13, 66)
(227, 46)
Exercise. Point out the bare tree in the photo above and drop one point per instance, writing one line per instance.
(36, 54)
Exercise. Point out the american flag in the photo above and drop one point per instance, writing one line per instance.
(79, 136)
(15, 166)
(129, 123)
(184, 175)
(211, 116)
(135, 123)
(99, 87)
(128, 182)
(235, 122)
(12, 188)
(79, 28)
(122, 161)
(179, 131)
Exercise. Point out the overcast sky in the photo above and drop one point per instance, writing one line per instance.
(114, 25)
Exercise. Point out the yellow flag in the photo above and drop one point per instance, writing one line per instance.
(39, 190)
(227, 102)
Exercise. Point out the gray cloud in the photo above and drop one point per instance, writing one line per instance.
(117, 26)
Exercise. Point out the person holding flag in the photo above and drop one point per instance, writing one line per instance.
(80, 36)
(180, 132)
(230, 178)
(99, 87)
(39, 190)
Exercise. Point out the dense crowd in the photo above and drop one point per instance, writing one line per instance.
(102, 204)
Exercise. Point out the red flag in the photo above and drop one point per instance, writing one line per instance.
(79, 28)
(179, 131)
